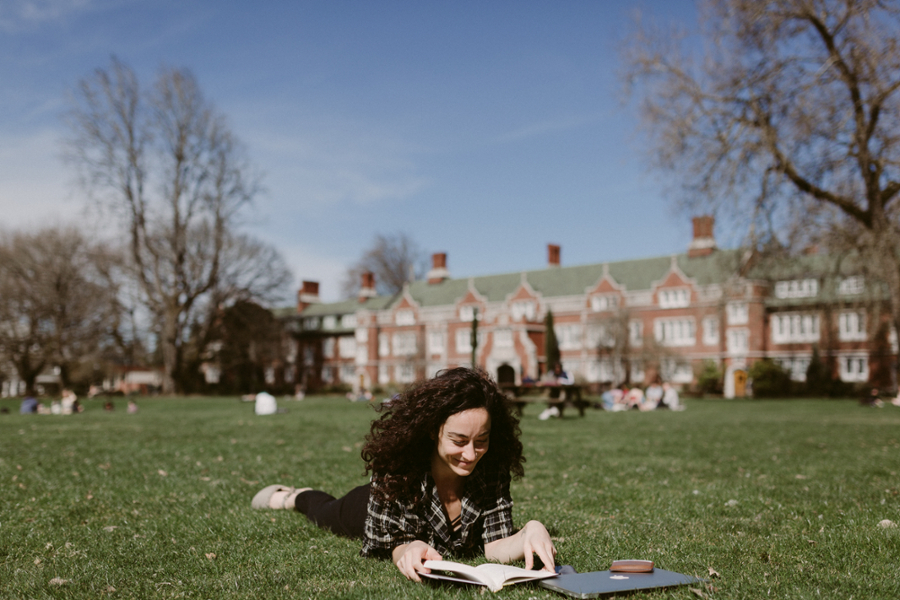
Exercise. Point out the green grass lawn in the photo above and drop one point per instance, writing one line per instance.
(782, 499)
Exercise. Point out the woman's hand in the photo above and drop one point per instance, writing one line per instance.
(530, 540)
(536, 540)
(409, 558)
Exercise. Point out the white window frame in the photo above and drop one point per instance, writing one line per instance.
(329, 322)
(737, 340)
(676, 371)
(405, 316)
(852, 326)
(852, 286)
(796, 366)
(405, 373)
(384, 374)
(676, 332)
(463, 340)
(348, 321)
(569, 336)
(636, 333)
(522, 309)
(603, 302)
(328, 347)
(436, 344)
(384, 344)
(468, 312)
(710, 331)
(737, 313)
(797, 288)
(854, 367)
(403, 343)
(795, 328)
(674, 298)
(347, 346)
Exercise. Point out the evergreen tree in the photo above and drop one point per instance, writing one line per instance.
(551, 345)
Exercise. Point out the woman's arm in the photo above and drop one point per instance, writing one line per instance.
(410, 557)
(530, 540)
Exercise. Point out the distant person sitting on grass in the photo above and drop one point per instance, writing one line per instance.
(873, 399)
(441, 456)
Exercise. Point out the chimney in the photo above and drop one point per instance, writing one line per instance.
(553, 255)
(438, 272)
(703, 243)
(367, 286)
(308, 294)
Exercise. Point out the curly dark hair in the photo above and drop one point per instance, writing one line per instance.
(400, 445)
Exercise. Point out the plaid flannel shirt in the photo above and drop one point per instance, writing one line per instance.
(486, 517)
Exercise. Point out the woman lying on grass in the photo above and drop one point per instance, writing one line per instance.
(435, 486)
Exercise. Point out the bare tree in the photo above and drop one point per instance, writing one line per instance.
(165, 162)
(55, 309)
(788, 119)
(394, 258)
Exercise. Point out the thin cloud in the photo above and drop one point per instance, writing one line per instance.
(24, 15)
(544, 128)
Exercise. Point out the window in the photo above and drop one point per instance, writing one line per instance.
(711, 331)
(636, 333)
(310, 323)
(676, 371)
(852, 326)
(347, 346)
(464, 339)
(326, 374)
(796, 366)
(737, 341)
(737, 313)
(675, 332)
(384, 345)
(329, 322)
(405, 317)
(362, 335)
(851, 286)
(854, 368)
(348, 321)
(436, 342)
(309, 357)
(328, 347)
(384, 374)
(604, 302)
(348, 373)
(600, 336)
(404, 344)
(405, 373)
(674, 298)
(797, 288)
(568, 336)
(362, 354)
(467, 313)
(522, 309)
(503, 338)
(795, 328)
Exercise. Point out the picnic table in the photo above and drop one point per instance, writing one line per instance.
(541, 393)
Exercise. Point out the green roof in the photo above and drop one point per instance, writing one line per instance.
(634, 275)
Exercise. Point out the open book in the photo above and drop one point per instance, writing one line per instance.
(494, 576)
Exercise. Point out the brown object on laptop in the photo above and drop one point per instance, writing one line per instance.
(631, 566)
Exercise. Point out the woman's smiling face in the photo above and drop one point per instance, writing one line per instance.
(461, 442)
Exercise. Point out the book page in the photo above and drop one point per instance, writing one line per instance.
(494, 576)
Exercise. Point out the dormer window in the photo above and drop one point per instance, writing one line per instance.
(797, 288)
(674, 298)
(522, 309)
(604, 302)
(851, 286)
(467, 313)
(405, 317)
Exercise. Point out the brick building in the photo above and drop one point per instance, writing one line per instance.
(632, 319)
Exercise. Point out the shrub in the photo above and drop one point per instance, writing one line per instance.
(769, 379)
(709, 380)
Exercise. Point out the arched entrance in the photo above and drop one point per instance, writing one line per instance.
(506, 375)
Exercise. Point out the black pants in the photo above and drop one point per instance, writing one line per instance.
(344, 516)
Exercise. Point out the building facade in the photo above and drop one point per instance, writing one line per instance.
(632, 320)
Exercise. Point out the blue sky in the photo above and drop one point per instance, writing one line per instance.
(484, 129)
